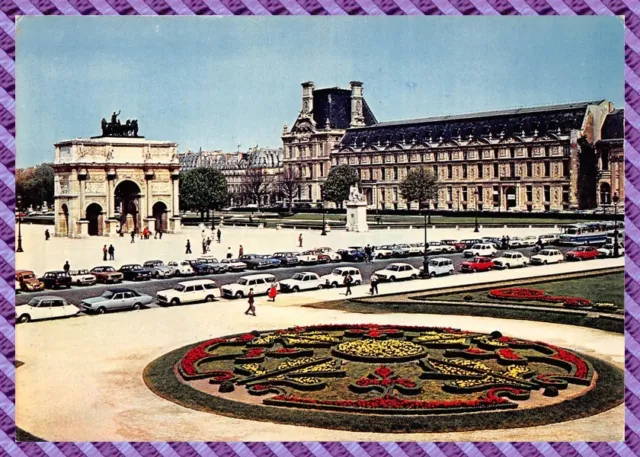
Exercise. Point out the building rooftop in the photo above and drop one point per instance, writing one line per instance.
(335, 104)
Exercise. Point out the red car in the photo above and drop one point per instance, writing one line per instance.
(322, 257)
(582, 253)
(477, 264)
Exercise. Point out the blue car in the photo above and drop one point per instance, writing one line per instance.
(351, 255)
(273, 262)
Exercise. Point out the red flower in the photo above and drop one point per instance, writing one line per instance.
(253, 353)
(508, 354)
(475, 351)
(384, 372)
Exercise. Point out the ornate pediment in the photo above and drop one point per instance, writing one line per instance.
(478, 142)
(511, 140)
(304, 124)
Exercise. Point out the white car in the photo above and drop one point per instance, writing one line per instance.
(334, 256)
(529, 241)
(607, 250)
(511, 259)
(45, 307)
(439, 247)
(382, 253)
(308, 258)
(481, 250)
(515, 242)
(411, 249)
(549, 238)
(259, 283)
(82, 277)
(547, 256)
(189, 292)
(234, 264)
(181, 269)
(439, 266)
(301, 281)
(396, 271)
(336, 277)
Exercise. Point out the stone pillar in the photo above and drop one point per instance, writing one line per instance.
(82, 178)
(518, 206)
(175, 194)
(83, 229)
(111, 198)
(574, 170)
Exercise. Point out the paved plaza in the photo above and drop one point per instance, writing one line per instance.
(40, 255)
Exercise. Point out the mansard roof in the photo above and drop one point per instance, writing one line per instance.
(509, 123)
(613, 127)
(335, 104)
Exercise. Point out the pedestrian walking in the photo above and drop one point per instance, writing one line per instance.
(252, 308)
(160, 233)
(347, 282)
(204, 246)
(300, 240)
(273, 291)
(104, 252)
(46, 235)
(208, 244)
(112, 252)
(133, 236)
(229, 253)
(66, 268)
(240, 251)
(188, 251)
(219, 235)
(504, 242)
(374, 284)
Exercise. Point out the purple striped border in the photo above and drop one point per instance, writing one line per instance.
(11, 8)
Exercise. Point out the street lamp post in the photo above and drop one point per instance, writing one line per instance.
(616, 249)
(19, 207)
(425, 261)
(477, 229)
(324, 223)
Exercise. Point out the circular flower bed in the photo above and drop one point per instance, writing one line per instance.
(525, 294)
(369, 370)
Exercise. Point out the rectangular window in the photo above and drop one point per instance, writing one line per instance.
(529, 151)
(434, 170)
(529, 170)
(529, 193)
(547, 169)
(371, 174)
(565, 194)
(464, 194)
(547, 151)
(479, 196)
(449, 172)
(496, 171)
(384, 174)
(512, 169)
(512, 153)
(495, 153)
(565, 168)
(464, 170)
(395, 173)
(547, 194)
(496, 197)
(449, 193)
(321, 169)
(480, 171)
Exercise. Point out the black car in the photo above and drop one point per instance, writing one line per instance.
(287, 259)
(204, 268)
(135, 272)
(255, 261)
(351, 255)
(56, 279)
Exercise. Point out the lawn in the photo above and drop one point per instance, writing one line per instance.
(599, 289)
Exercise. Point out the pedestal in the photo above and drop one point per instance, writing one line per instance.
(111, 227)
(174, 224)
(150, 223)
(83, 229)
(357, 217)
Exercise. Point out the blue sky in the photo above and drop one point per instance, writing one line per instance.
(219, 82)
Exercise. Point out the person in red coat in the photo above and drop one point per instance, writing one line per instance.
(273, 291)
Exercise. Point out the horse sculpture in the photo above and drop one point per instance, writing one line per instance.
(115, 128)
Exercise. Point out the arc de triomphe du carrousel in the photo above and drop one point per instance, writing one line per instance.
(116, 183)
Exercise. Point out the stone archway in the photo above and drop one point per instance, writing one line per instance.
(160, 212)
(94, 216)
(127, 200)
(63, 229)
(510, 195)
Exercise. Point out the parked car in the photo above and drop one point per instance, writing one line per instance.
(301, 281)
(114, 299)
(511, 259)
(56, 279)
(181, 268)
(158, 269)
(582, 253)
(333, 256)
(27, 281)
(259, 283)
(477, 264)
(213, 265)
(607, 250)
(529, 240)
(515, 242)
(466, 244)
(336, 277)
(352, 255)
(396, 251)
(397, 271)
(549, 238)
(188, 292)
(410, 250)
(308, 258)
(106, 274)
(45, 307)
(234, 264)
(255, 261)
(439, 266)
(135, 272)
(287, 259)
(201, 269)
(272, 262)
(82, 278)
(484, 249)
(547, 256)
(439, 247)
(450, 243)
(322, 257)
(381, 252)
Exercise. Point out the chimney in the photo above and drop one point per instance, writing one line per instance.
(357, 117)
(307, 97)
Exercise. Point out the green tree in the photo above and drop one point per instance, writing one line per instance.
(420, 185)
(35, 185)
(340, 179)
(587, 174)
(203, 189)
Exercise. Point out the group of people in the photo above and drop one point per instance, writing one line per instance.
(110, 250)
(145, 234)
(369, 252)
(273, 291)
